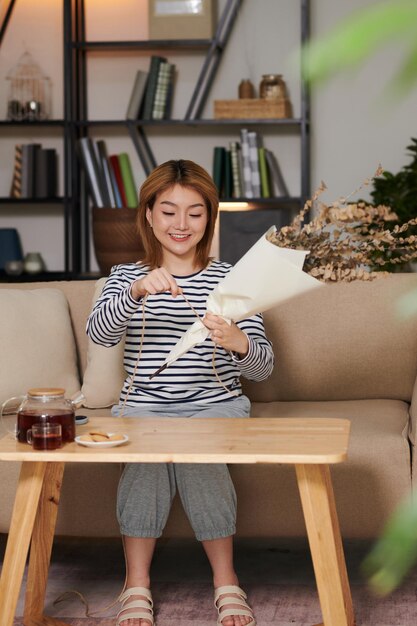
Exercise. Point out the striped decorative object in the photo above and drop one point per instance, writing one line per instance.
(16, 191)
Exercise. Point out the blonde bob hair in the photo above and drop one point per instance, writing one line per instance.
(187, 174)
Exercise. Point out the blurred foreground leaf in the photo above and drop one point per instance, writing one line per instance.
(359, 36)
(395, 552)
(407, 304)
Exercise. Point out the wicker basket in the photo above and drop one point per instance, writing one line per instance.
(252, 108)
(115, 237)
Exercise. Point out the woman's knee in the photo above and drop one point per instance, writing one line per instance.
(144, 498)
(208, 497)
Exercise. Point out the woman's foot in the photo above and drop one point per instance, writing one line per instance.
(231, 613)
(137, 605)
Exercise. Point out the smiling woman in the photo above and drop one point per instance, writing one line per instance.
(187, 177)
(154, 302)
(178, 219)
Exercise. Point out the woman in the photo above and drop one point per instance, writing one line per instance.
(150, 301)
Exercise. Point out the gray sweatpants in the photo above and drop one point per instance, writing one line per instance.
(146, 490)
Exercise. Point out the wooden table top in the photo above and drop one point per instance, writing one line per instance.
(202, 440)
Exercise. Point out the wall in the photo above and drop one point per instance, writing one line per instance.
(354, 125)
(352, 128)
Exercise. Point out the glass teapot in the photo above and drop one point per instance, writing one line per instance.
(42, 404)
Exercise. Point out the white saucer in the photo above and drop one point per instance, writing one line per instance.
(102, 444)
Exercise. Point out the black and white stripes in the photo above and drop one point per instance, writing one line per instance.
(191, 378)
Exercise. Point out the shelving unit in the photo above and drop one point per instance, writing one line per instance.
(77, 48)
(76, 121)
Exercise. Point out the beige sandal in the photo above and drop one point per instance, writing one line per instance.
(228, 599)
(136, 604)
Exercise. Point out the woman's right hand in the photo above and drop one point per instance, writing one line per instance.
(157, 281)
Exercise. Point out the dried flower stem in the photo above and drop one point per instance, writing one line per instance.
(349, 241)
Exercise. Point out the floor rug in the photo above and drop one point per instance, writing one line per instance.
(277, 575)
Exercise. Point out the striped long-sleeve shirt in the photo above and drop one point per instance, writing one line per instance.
(191, 378)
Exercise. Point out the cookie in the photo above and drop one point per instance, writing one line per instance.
(86, 438)
(99, 437)
(98, 432)
(116, 437)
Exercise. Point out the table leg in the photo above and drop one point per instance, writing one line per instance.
(41, 547)
(23, 517)
(317, 498)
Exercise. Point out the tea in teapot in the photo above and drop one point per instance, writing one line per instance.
(44, 405)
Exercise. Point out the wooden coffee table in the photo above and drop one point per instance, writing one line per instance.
(311, 445)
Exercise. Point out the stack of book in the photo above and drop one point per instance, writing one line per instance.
(35, 172)
(247, 170)
(151, 96)
(110, 178)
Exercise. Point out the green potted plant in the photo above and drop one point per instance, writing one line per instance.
(399, 190)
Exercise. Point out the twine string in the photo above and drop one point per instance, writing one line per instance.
(142, 338)
(67, 594)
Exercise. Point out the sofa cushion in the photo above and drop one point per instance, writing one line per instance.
(37, 342)
(104, 374)
(343, 342)
(78, 294)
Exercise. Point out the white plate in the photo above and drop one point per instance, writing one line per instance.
(101, 444)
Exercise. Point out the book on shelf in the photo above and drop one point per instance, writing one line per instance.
(240, 163)
(254, 163)
(116, 190)
(264, 173)
(222, 172)
(228, 176)
(100, 174)
(234, 147)
(137, 96)
(149, 96)
(170, 93)
(128, 181)
(218, 168)
(104, 164)
(246, 166)
(278, 183)
(115, 168)
(46, 169)
(29, 151)
(90, 165)
(161, 93)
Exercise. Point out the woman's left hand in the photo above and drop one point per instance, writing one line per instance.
(228, 336)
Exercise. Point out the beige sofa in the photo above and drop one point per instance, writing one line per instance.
(341, 351)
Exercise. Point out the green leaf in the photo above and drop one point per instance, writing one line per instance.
(356, 38)
(395, 552)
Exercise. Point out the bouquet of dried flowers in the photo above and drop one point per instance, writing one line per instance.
(349, 241)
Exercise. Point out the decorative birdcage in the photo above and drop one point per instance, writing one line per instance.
(29, 92)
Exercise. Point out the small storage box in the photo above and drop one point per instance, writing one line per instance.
(252, 108)
(182, 19)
